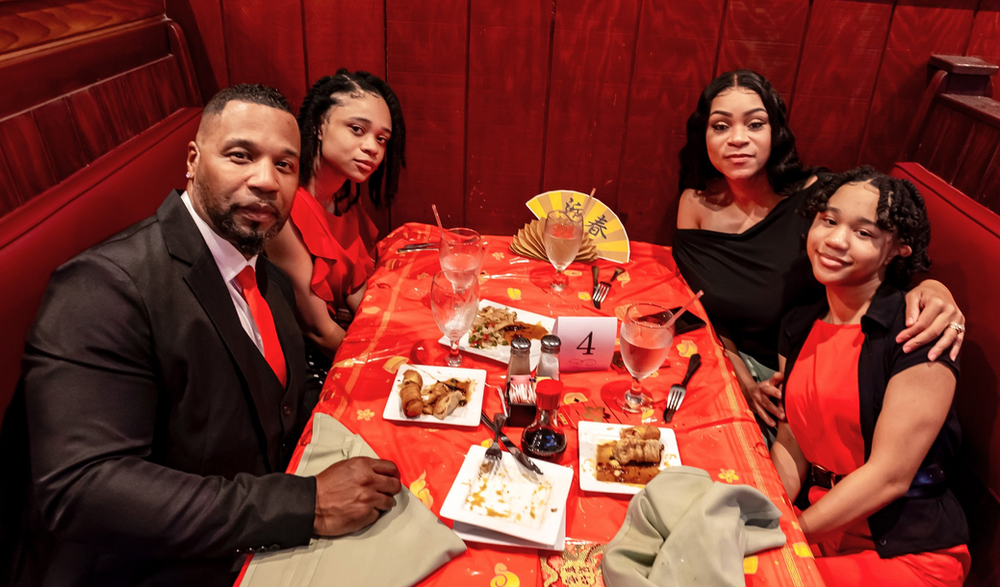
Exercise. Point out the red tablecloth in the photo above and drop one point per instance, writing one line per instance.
(715, 429)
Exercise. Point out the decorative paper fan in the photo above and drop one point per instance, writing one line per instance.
(528, 242)
(601, 223)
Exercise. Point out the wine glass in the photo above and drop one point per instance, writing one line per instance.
(454, 307)
(563, 236)
(645, 340)
(461, 251)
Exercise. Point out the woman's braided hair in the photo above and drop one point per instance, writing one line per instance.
(327, 93)
(900, 211)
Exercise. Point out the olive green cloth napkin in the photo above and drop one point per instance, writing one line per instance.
(403, 546)
(683, 529)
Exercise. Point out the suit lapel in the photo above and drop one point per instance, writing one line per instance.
(186, 243)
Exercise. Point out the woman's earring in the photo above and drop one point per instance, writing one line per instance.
(187, 175)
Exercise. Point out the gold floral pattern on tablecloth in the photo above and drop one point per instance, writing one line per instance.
(572, 273)
(513, 293)
(728, 475)
(802, 550)
(686, 348)
(624, 278)
(423, 275)
(504, 578)
(393, 364)
(585, 296)
(498, 256)
(420, 488)
(365, 415)
(750, 564)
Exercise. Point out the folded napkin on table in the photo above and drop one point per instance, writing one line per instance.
(684, 529)
(403, 546)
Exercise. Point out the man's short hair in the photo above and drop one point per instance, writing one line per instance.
(252, 93)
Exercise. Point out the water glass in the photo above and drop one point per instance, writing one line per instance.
(645, 343)
(454, 306)
(562, 238)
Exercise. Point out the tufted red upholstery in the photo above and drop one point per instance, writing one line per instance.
(117, 190)
(965, 252)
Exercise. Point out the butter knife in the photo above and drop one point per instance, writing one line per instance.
(418, 247)
(596, 271)
(511, 447)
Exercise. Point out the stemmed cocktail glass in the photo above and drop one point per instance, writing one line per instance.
(646, 335)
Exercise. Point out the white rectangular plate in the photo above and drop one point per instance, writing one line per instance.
(553, 512)
(467, 415)
(501, 353)
(595, 433)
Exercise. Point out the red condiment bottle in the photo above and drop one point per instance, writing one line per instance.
(544, 438)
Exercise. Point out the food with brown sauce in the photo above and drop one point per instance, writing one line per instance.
(634, 458)
(439, 399)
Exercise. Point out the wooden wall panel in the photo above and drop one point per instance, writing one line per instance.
(95, 140)
(9, 198)
(765, 36)
(593, 49)
(426, 48)
(985, 41)
(837, 75)
(264, 44)
(201, 22)
(506, 111)
(980, 157)
(29, 23)
(22, 148)
(675, 56)
(919, 29)
(344, 33)
(58, 131)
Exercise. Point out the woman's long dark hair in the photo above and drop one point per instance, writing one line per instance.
(327, 93)
(784, 169)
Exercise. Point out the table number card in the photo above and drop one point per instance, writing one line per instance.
(588, 342)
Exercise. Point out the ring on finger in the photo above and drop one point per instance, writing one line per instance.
(959, 328)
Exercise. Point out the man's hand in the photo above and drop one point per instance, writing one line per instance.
(351, 494)
(759, 397)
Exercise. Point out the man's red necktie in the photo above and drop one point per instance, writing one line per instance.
(265, 322)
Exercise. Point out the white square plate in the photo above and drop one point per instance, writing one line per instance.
(467, 415)
(595, 433)
(543, 530)
(470, 533)
(501, 353)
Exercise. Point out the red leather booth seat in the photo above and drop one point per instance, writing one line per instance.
(965, 253)
(117, 190)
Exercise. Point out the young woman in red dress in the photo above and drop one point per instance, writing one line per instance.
(870, 430)
(352, 132)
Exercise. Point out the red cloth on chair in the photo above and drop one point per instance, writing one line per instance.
(822, 403)
(265, 323)
(339, 247)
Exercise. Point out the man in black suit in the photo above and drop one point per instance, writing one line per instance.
(163, 403)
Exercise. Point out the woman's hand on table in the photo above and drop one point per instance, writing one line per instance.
(930, 313)
(758, 395)
(352, 494)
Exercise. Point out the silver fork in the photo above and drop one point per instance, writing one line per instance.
(491, 462)
(605, 286)
(677, 392)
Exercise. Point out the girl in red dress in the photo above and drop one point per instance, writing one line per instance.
(352, 132)
(870, 430)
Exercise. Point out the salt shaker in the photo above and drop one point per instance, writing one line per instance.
(548, 364)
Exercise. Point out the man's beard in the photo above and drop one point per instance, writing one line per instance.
(248, 240)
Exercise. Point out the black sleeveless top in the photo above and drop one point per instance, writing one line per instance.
(753, 278)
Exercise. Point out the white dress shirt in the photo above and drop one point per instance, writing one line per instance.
(230, 262)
